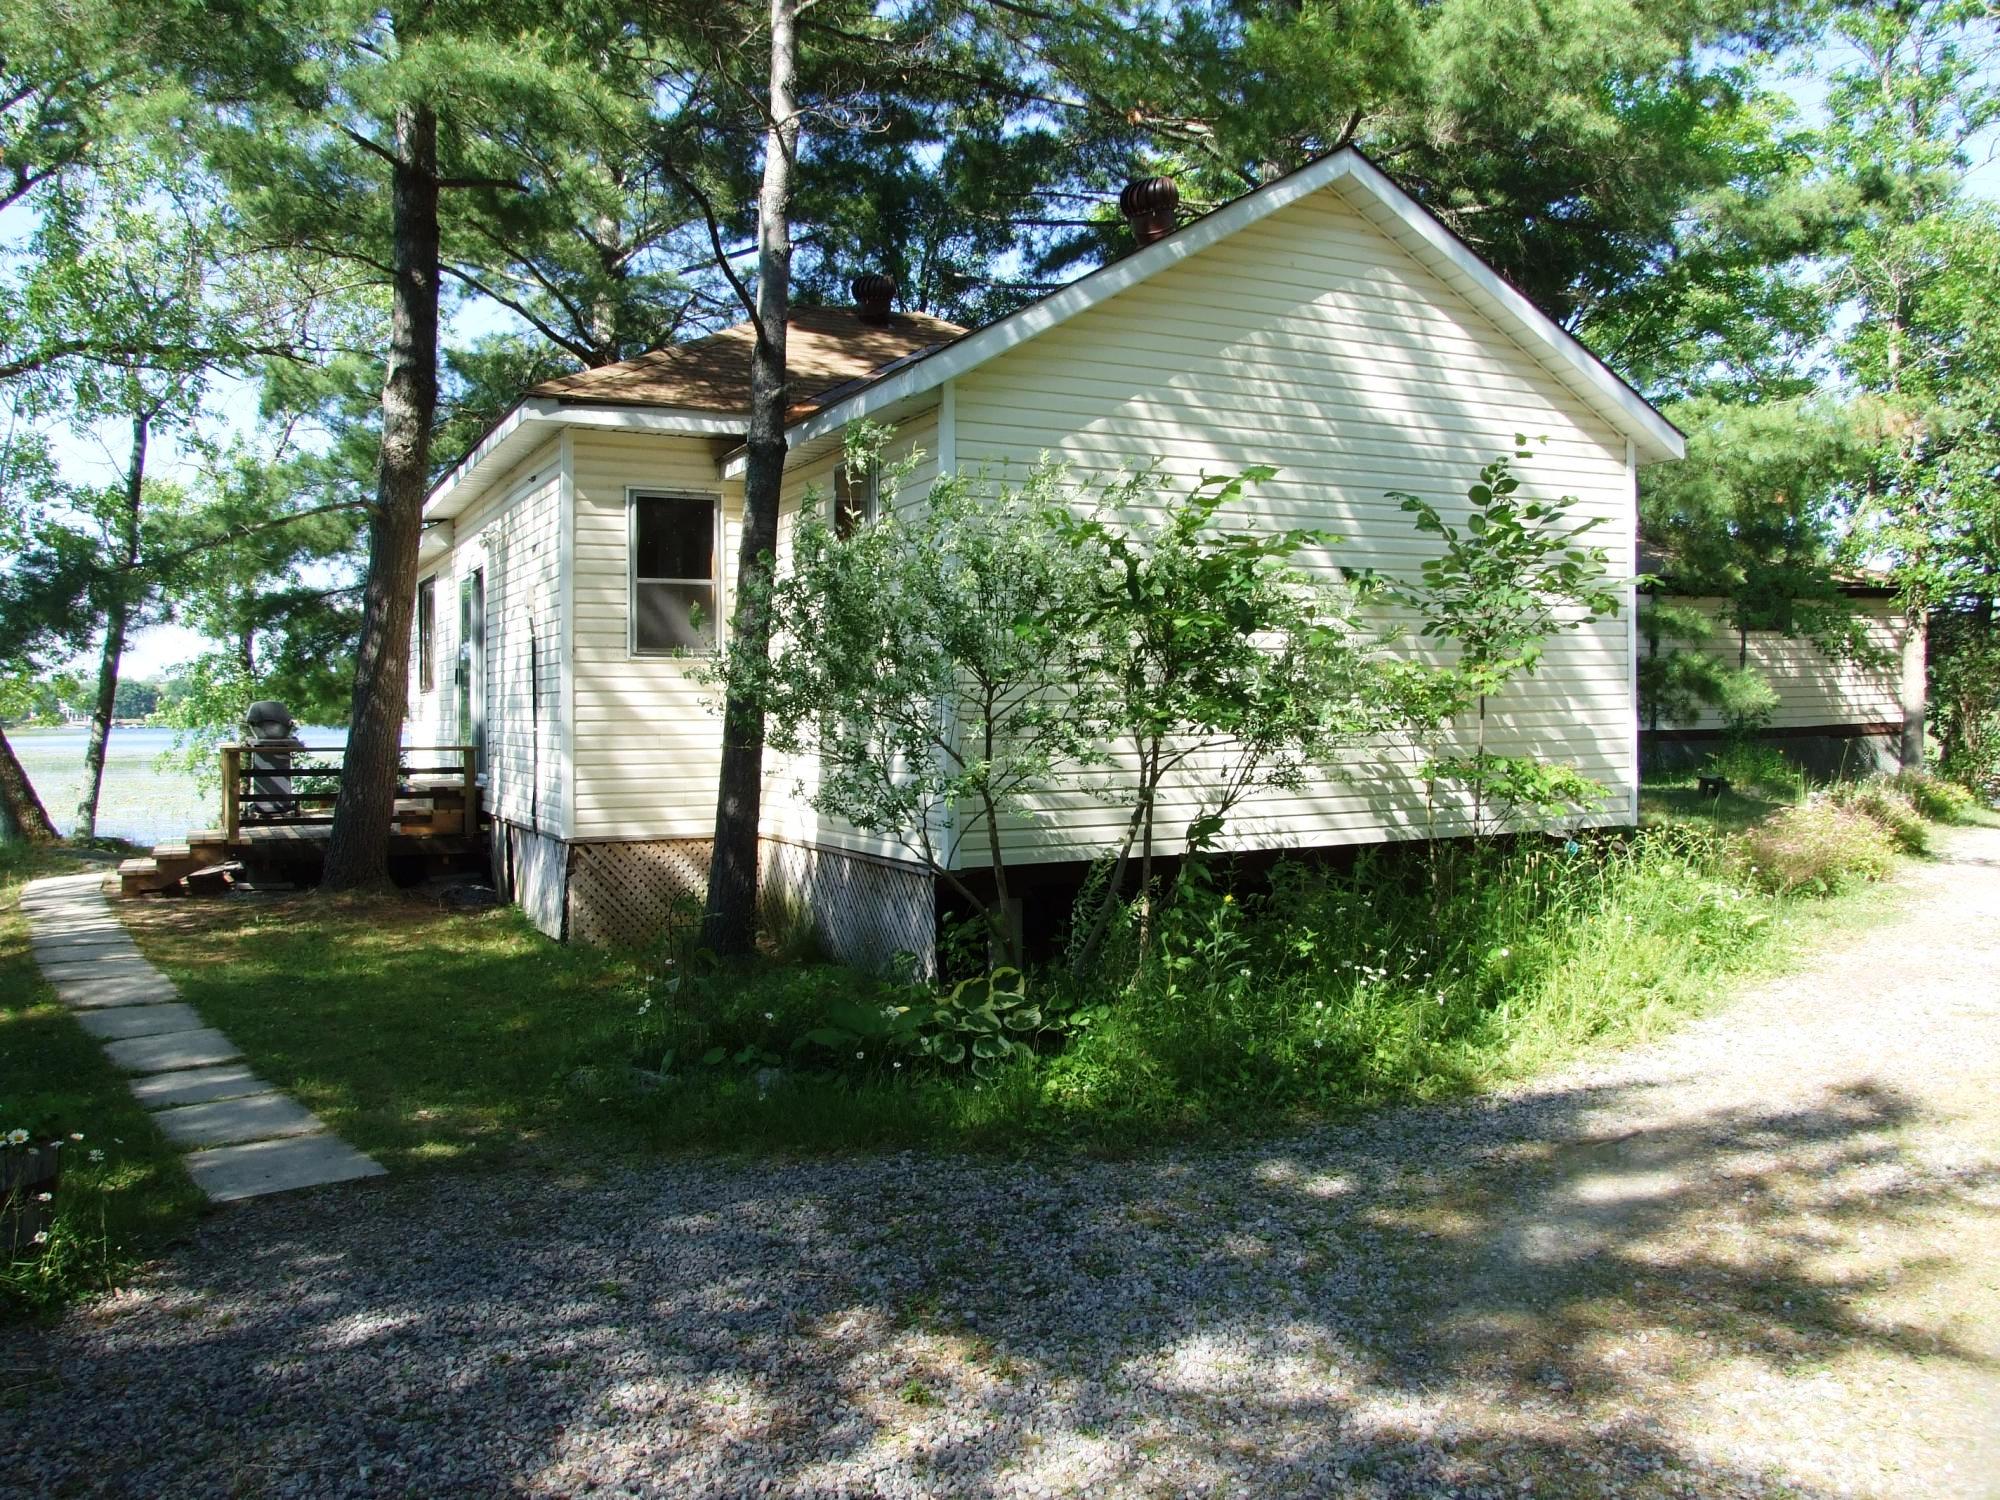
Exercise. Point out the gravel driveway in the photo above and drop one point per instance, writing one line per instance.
(1758, 1258)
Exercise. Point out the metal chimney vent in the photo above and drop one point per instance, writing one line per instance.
(1149, 206)
(874, 297)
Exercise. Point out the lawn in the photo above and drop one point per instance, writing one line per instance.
(54, 1083)
(421, 1035)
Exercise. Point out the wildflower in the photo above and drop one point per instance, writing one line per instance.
(45, 1197)
(895, 1065)
(860, 1055)
(1506, 952)
(770, 1015)
(17, 1137)
(1228, 900)
(41, 1237)
(76, 1135)
(96, 1155)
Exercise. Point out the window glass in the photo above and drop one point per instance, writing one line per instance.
(673, 573)
(427, 634)
(673, 536)
(853, 500)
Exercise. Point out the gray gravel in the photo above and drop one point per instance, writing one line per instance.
(1756, 1258)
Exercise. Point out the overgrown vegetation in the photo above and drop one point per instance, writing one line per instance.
(1315, 990)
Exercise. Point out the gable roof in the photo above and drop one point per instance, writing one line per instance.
(825, 348)
(1395, 212)
(842, 369)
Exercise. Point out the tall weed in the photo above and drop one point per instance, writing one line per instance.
(1817, 847)
(1409, 976)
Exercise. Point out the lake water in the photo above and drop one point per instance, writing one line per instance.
(138, 801)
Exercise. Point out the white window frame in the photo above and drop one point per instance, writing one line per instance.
(634, 493)
(427, 679)
(871, 509)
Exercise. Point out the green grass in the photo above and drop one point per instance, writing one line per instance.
(424, 1037)
(54, 1081)
(1677, 799)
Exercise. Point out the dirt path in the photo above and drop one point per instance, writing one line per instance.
(1761, 1257)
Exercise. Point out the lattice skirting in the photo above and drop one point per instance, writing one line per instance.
(634, 893)
(872, 913)
(866, 912)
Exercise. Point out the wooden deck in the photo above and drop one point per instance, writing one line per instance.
(277, 820)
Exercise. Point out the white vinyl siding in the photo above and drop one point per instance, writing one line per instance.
(647, 746)
(1313, 343)
(513, 537)
(1814, 690)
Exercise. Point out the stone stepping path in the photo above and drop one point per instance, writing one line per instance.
(243, 1137)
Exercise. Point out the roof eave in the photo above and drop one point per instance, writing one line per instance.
(535, 418)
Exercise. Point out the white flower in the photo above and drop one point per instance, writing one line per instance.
(76, 1135)
(1506, 952)
(96, 1155)
(770, 1015)
(895, 1065)
(41, 1237)
(17, 1137)
(860, 1054)
(45, 1197)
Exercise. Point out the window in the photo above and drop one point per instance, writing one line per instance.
(673, 573)
(854, 500)
(427, 634)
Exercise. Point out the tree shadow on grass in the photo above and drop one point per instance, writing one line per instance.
(1457, 1301)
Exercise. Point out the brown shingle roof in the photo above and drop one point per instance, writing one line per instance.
(825, 347)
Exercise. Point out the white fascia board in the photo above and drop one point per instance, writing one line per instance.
(530, 421)
(669, 419)
(1553, 346)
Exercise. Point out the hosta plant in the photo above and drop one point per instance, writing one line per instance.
(983, 1024)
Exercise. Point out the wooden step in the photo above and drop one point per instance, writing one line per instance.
(142, 877)
(164, 852)
(213, 880)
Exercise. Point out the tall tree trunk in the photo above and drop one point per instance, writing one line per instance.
(358, 853)
(116, 616)
(732, 874)
(23, 819)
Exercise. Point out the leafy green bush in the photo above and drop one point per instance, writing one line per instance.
(982, 1025)
(698, 1014)
(1420, 971)
(1935, 798)
(1817, 846)
(1889, 807)
(1410, 975)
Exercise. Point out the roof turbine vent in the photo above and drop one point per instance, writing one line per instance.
(874, 296)
(1149, 206)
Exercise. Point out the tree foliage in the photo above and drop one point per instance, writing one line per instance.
(1515, 575)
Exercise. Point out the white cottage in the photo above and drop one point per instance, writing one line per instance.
(1325, 324)
(1846, 715)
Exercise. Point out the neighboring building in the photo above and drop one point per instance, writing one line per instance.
(1324, 324)
(1836, 715)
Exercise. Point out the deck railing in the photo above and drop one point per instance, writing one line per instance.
(295, 786)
